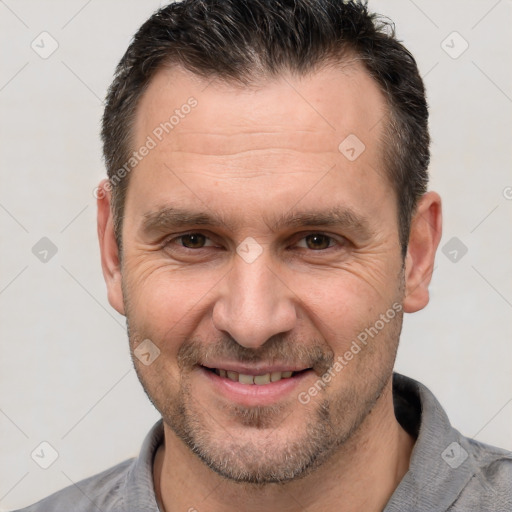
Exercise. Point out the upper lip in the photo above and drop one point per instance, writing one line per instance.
(258, 369)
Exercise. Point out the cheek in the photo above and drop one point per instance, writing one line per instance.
(166, 303)
(343, 304)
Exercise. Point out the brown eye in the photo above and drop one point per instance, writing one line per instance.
(318, 242)
(193, 241)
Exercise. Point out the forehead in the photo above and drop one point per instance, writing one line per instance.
(279, 135)
(323, 106)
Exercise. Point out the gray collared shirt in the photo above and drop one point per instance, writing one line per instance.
(447, 472)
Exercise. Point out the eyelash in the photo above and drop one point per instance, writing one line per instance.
(332, 239)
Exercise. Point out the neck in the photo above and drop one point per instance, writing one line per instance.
(360, 475)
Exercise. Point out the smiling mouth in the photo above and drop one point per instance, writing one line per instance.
(259, 380)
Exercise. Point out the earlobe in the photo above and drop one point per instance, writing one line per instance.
(425, 234)
(110, 260)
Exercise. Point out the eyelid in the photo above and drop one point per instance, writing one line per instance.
(176, 236)
(339, 239)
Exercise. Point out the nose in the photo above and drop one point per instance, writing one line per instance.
(254, 304)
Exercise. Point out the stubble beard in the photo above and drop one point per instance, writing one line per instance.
(329, 427)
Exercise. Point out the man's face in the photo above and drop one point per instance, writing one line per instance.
(254, 244)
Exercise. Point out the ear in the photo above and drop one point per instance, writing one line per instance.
(425, 234)
(110, 261)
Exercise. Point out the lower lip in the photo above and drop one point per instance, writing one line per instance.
(254, 394)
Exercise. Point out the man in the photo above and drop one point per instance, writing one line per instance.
(265, 225)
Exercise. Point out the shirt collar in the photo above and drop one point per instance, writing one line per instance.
(441, 463)
(139, 491)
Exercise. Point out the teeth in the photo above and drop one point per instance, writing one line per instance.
(262, 379)
(275, 376)
(245, 379)
(259, 380)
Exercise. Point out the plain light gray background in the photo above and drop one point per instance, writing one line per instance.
(65, 372)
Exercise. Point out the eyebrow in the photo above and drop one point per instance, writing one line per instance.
(334, 217)
(168, 218)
